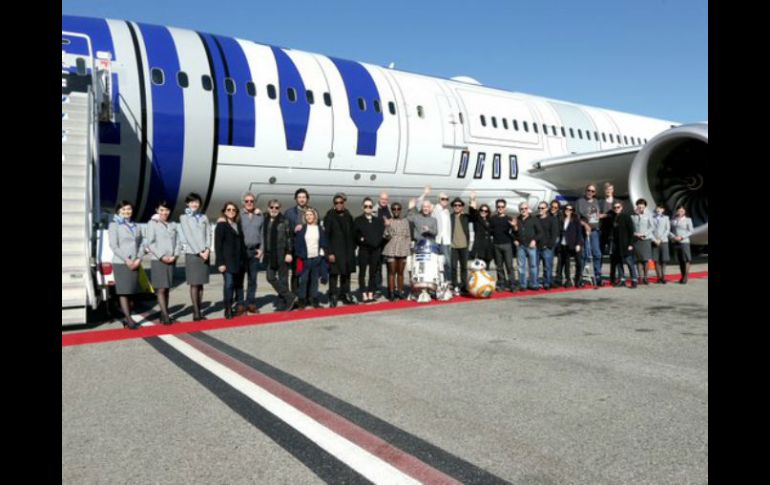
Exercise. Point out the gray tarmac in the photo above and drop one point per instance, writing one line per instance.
(605, 386)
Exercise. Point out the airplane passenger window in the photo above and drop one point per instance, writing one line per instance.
(206, 82)
(377, 107)
(271, 91)
(563, 133)
(571, 133)
(157, 76)
(514, 165)
(645, 141)
(612, 138)
(534, 127)
(545, 129)
(625, 139)
(483, 121)
(604, 137)
(291, 93)
(80, 63)
(463, 164)
(596, 135)
(392, 107)
(251, 88)
(229, 86)
(361, 104)
(494, 122)
(588, 134)
(505, 123)
(496, 166)
(181, 79)
(462, 122)
(480, 165)
(553, 130)
(526, 126)
(310, 97)
(327, 99)
(515, 125)
(580, 133)
(420, 112)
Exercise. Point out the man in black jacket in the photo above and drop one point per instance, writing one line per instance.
(338, 225)
(549, 226)
(278, 239)
(527, 236)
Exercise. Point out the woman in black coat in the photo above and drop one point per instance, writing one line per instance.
(622, 245)
(230, 252)
(369, 231)
(483, 247)
(339, 228)
(571, 243)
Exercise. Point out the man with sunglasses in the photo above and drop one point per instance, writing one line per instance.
(526, 239)
(340, 231)
(460, 244)
(443, 218)
(589, 209)
(251, 222)
(382, 212)
(278, 238)
(622, 241)
(549, 228)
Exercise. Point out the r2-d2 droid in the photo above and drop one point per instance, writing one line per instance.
(427, 268)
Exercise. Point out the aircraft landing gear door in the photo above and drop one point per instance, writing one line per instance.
(450, 127)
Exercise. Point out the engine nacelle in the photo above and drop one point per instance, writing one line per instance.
(671, 168)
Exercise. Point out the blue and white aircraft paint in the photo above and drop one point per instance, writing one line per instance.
(196, 112)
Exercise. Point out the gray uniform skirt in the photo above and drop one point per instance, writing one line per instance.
(660, 253)
(126, 280)
(196, 270)
(162, 274)
(643, 249)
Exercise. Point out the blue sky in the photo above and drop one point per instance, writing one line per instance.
(648, 57)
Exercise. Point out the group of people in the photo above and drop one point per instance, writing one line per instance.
(298, 249)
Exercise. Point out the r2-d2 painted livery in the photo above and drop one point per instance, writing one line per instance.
(427, 269)
(187, 111)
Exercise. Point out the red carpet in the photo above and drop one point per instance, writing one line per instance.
(99, 336)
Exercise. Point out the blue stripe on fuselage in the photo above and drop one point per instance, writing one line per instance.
(296, 114)
(167, 119)
(96, 29)
(219, 88)
(243, 120)
(109, 175)
(359, 84)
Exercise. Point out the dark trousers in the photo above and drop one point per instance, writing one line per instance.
(279, 280)
(460, 255)
(344, 284)
(616, 264)
(368, 258)
(252, 267)
(308, 279)
(565, 253)
(231, 286)
(504, 264)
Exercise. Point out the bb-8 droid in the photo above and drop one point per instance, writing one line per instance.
(480, 284)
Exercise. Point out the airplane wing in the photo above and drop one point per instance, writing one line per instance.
(574, 172)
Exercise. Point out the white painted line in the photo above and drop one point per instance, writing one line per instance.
(363, 462)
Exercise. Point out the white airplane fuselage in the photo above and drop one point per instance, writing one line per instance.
(220, 116)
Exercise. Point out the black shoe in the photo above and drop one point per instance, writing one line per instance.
(633, 285)
(332, 301)
(292, 304)
(683, 280)
(663, 281)
(165, 320)
(301, 304)
(348, 299)
(228, 313)
(315, 303)
(130, 324)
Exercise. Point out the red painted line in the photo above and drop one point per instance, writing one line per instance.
(375, 445)
(101, 336)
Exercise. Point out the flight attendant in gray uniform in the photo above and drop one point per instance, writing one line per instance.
(125, 242)
(642, 238)
(196, 239)
(661, 228)
(164, 245)
(681, 230)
